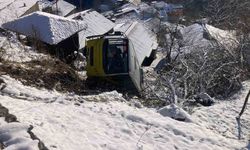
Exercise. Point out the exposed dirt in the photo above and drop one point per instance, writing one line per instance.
(49, 74)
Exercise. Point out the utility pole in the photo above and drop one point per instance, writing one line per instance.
(80, 5)
(57, 12)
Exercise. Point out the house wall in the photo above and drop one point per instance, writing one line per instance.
(65, 49)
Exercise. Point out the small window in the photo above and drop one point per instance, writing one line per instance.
(91, 55)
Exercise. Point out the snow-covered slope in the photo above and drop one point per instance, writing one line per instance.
(106, 121)
(14, 51)
(221, 118)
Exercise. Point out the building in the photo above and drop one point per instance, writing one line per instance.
(13, 9)
(60, 34)
(60, 7)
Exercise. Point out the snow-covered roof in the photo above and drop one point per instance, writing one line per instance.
(4, 3)
(127, 8)
(143, 42)
(193, 35)
(64, 8)
(135, 2)
(96, 23)
(46, 27)
(12, 9)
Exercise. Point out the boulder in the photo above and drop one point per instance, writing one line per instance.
(204, 99)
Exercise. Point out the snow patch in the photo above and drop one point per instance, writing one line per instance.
(17, 89)
(15, 136)
(175, 112)
(104, 97)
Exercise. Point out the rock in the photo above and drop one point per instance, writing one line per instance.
(175, 112)
(136, 103)
(10, 118)
(2, 84)
(77, 104)
(204, 99)
(3, 111)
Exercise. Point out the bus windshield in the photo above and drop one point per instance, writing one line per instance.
(116, 56)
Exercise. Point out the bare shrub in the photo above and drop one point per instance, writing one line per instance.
(216, 70)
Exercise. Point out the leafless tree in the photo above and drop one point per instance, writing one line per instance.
(168, 40)
(228, 14)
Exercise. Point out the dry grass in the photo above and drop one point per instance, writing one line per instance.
(49, 74)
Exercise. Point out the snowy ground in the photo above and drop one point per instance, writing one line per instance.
(106, 121)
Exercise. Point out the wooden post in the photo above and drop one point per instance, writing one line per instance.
(245, 105)
(240, 114)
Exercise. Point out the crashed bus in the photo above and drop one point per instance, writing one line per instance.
(123, 52)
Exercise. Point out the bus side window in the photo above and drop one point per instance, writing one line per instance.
(91, 55)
